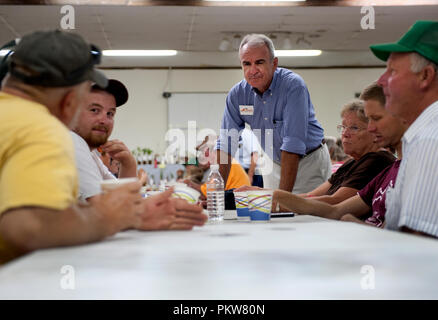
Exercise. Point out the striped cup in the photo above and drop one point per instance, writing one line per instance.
(241, 201)
(260, 203)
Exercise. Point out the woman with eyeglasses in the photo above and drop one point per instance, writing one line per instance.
(368, 158)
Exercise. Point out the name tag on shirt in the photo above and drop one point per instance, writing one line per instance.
(246, 110)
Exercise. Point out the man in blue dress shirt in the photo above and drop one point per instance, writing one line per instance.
(276, 104)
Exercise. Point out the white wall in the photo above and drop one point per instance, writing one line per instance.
(143, 120)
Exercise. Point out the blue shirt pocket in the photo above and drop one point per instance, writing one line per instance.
(278, 129)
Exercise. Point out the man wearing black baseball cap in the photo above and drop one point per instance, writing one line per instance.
(93, 128)
(49, 74)
(91, 132)
(410, 84)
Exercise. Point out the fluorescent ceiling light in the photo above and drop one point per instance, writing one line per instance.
(297, 53)
(255, 0)
(139, 53)
(127, 53)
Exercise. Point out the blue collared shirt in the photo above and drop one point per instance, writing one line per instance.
(283, 116)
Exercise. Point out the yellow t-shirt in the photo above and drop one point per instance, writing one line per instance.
(37, 164)
(236, 179)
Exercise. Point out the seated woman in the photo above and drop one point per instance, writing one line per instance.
(367, 158)
(388, 131)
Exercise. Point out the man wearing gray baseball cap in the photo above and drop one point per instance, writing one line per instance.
(49, 75)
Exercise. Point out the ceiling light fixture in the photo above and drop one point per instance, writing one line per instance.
(297, 53)
(255, 0)
(139, 53)
(224, 45)
(303, 42)
(236, 41)
(287, 44)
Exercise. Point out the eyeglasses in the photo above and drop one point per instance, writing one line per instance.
(353, 129)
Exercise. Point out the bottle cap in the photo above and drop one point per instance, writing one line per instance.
(214, 167)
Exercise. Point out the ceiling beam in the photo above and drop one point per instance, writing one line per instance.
(222, 3)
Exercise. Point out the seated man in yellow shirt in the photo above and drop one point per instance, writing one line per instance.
(237, 177)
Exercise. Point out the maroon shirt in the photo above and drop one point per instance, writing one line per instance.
(374, 193)
(356, 174)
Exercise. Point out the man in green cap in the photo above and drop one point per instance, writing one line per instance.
(49, 74)
(410, 84)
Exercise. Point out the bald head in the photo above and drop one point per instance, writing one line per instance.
(65, 103)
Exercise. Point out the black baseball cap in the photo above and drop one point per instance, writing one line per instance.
(117, 89)
(55, 59)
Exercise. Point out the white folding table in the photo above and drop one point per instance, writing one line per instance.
(303, 257)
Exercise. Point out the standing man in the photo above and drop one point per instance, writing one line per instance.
(276, 104)
(410, 84)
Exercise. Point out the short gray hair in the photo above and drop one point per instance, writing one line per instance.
(418, 63)
(357, 106)
(258, 40)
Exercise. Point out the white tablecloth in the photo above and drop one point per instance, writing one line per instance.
(287, 258)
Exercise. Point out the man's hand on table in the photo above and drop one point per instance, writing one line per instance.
(118, 209)
(187, 215)
(162, 212)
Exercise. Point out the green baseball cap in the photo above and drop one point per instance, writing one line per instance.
(422, 37)
(55, 59)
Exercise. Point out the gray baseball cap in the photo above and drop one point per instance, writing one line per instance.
(55, 59)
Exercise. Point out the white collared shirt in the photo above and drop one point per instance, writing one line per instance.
(91, 170)
(247, 145)
(413, 202)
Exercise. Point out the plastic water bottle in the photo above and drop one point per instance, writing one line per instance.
(215, 194)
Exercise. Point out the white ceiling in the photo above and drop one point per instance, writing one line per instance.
(196, 31)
